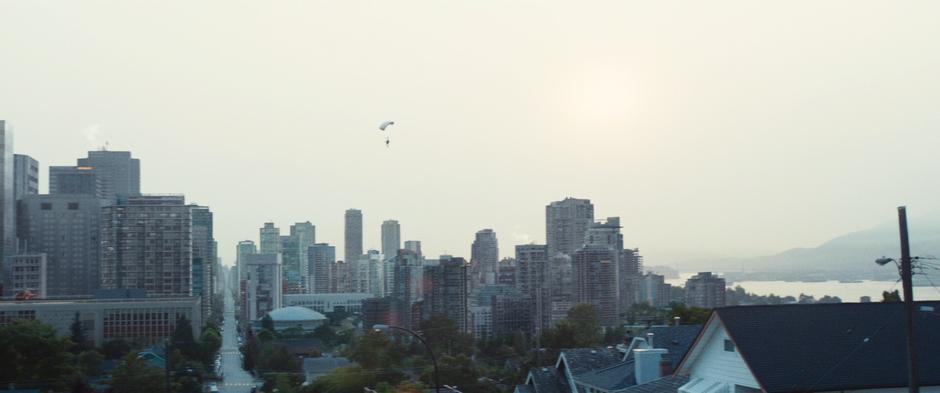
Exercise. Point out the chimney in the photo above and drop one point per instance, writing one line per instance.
(648, 364)
(676, 319)
(649, 339)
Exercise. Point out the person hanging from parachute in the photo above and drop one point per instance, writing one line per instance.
(383, 127)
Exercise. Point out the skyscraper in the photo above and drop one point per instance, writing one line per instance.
(270, 237)
(597, 270)
(75, 180)
(7, 197)
(65, 228)
(244, 247)
(263, 289)
(411, 245)
(705, 290)
(534, 281)
(305, 235)
(391, 238)
(320, 260)
(446, 292)
(484, 257)
(566, 223)
(147, 243)
(25, 176)
(353, 237)
(203, 257)
(117, 171)
(407, 290)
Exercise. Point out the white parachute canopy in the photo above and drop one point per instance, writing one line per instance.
(385, 125)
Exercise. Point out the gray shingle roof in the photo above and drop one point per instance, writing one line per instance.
(582, 360)
(677, 339)
(548, 380)
(524, 389)
(668, 384)
(616, 377)
(829, 347)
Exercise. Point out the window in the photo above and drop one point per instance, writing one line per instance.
(729, 345)
(73, 205)
(45, 206)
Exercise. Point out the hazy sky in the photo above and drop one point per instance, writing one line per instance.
(711, 128)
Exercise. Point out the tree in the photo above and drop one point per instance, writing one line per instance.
(888, 297)
(30, 351)
(352, 379)
(454, 371)
(444, 337)
(135, 375)
(375, 351)
(209, 344)
(115, 349)
(583, 317)
(183, 340)
(89, 362)
(689, 315)
(277, 358)
(79, 340)
(267, 323)
(614, 335)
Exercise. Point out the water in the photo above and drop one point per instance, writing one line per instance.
(847, 291)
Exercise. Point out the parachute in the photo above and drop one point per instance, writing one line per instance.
(383, 127)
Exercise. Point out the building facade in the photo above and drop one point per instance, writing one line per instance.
(411, 245)
(25, 176)
(66, 229)
(484, 257)
(533, 281)
(270, 239)
(117, 171)
(142, 321)
(391, 237)
(204, 257)
(352, 235)
(81, 180)
(25, 272)
(705, 290)
(329, 302)
(566, 223)
(446, 291)
(147, 243)
(7, 196)
(263, 285)
(320, 260)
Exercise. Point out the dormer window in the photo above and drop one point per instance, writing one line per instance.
(729, 345)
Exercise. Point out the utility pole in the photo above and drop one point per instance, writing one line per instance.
(906, 279)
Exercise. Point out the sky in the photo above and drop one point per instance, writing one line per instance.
(721, 128)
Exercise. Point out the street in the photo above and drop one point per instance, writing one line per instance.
(235, 379)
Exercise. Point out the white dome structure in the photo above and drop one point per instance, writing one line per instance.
(295, 316)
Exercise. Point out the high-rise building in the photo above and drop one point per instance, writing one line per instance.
(81, 180)
(25, 176)
(66, 229)
(566, 223)
(595, 278)
(353, 235)
(270, 237)
(655, 291)
(705, 290)
(365, 272)
(147, 243)
(446, 291)
(117, 171)
(411, 245)
(25, 272)
(391, 237)
(7, 197)
(204, 256)
(304, 235)
(244, 247)
(561, 286)
(629, 274)
(320, 260)
(533, 281)
(263, 288)
(484, 257)
(407, 288)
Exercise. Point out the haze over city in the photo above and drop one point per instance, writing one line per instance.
(718, 129)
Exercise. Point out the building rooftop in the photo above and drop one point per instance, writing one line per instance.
(295, 313)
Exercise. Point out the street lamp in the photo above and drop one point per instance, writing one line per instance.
(386, 328)
(906, 282)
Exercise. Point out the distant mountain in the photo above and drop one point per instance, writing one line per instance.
(851, 253)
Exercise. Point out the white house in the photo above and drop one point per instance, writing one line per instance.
(857, 347)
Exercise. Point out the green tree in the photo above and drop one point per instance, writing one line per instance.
(89, 362)
(135, 375)
(209, 344)
(375, 351)
(183, 340)
(352, 379)
(267, 323)
(276, 358)
(614, 335)
(250, 350)
(30, 351)
(115, 349)
(689, 315)
(444, 337)
(79, 340)
(888, 297)
(456, 370)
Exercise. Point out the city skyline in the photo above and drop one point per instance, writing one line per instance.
(701, 149)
